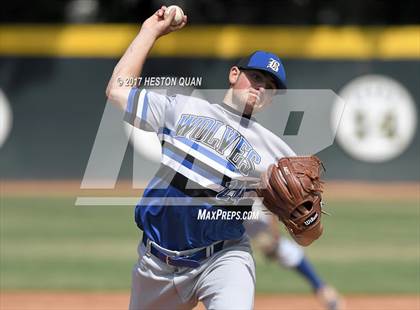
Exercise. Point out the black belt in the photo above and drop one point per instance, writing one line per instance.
(191, 261)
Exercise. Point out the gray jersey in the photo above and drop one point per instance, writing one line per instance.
(208, 150)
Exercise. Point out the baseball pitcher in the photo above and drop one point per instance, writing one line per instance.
(194, 246)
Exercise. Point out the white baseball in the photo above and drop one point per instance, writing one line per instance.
(179, 14)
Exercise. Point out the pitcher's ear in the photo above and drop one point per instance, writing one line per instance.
(234, 74)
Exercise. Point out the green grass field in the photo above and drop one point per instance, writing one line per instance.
(51, 244)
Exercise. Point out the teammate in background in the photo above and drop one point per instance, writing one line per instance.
(266, 236)
(183, 260)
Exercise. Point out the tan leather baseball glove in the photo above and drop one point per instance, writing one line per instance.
(291, 189)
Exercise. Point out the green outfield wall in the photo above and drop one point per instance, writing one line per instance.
(54, 79)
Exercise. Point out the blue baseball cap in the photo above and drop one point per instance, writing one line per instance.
(267, 62)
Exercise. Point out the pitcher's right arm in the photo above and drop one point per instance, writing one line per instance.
(131, 63)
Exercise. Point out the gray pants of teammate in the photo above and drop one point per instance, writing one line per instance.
(225, 280)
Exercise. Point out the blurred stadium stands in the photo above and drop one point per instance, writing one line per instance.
(291, 12)
(56, 58)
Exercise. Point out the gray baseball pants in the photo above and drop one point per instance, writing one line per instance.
(225, 280)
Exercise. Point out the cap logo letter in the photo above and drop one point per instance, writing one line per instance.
(273, 64)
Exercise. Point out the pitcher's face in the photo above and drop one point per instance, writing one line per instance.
(252, 89)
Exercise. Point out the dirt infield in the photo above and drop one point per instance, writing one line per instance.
(334, 189)
(116, 301)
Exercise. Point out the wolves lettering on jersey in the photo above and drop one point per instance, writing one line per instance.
(205, 153)
(204, 129)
